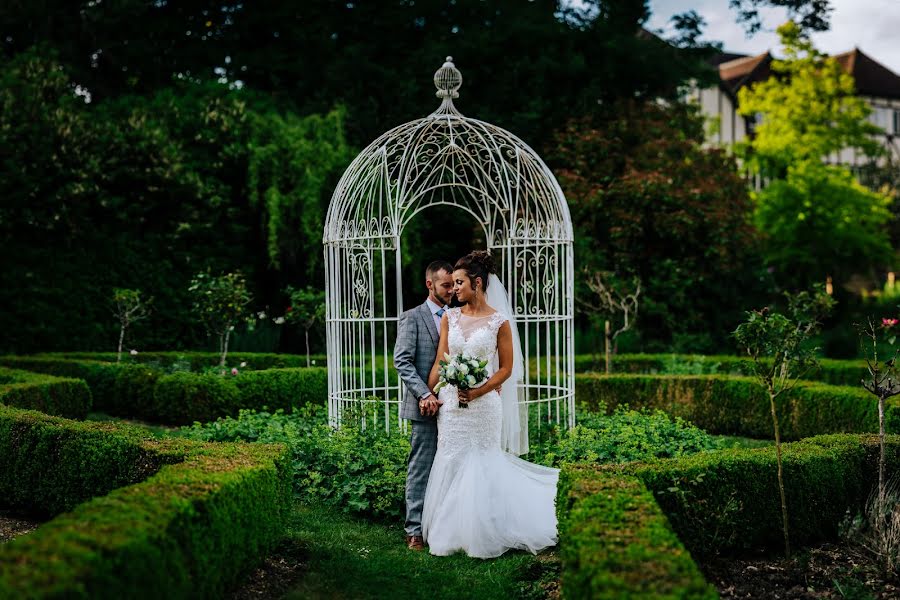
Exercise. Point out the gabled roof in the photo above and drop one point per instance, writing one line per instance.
(872, 78)
(738, 72)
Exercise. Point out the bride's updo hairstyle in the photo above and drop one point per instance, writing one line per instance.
(478, 263)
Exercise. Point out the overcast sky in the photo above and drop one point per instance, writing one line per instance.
(871, 25)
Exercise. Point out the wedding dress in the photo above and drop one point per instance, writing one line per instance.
(481, 500)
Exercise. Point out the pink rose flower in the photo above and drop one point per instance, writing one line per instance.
(888, 323)
(234, 371)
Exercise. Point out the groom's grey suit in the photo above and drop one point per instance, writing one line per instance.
(417, 342)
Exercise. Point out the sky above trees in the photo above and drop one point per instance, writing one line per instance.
(870, 25)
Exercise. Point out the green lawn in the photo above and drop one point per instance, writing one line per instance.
(352, 558)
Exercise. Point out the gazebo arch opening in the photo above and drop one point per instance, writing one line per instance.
(446, 159)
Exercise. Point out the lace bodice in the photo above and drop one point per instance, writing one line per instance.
(474, 336)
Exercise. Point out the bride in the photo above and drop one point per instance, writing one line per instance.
(482, 499)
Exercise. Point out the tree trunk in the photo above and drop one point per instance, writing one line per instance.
(121, 339)
(881, 490)
(607, 335)
(784, 515)
(307, 347)
(225, 347)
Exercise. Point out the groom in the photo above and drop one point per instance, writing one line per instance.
(418, 334)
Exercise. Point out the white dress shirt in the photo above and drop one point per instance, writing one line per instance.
(434, 313)
(437, 323)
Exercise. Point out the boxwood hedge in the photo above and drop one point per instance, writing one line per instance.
(65, 397)
(208, 514)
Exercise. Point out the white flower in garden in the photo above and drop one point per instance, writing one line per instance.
(234, 371)
(231, 328)
(243, 364)
(261, 314)
(463, 369)
(313, 361)
(134, 352)
(279, 320)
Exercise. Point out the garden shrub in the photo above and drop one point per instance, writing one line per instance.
(197, 361)
(182, 397)
(625, 435)
(65, 397)
(738, 405)
(615, 542)
(728, 501)
(616, 536)
(207, 515)
(830, 371)
(357, 470)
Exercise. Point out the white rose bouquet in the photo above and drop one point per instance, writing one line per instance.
(463, 372)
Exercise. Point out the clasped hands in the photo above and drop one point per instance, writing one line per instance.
(430, 405)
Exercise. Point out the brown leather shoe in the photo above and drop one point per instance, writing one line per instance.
(415, 542)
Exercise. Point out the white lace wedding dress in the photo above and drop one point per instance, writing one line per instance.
(481, 500)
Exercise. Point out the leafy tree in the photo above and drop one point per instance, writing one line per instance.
(307, 310)
(818, 219)
(130, 307)
(649, 200)
(808, 109)
(220, 303)
(778, 345)
(527, 65)
(810, 15)
(140, 192)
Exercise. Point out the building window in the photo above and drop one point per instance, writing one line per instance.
(897, 122)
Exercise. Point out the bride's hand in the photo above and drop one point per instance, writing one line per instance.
(466, 396)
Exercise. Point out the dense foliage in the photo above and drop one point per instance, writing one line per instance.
(649, 200)
(363, 470)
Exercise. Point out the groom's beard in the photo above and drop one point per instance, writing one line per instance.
(455, 303)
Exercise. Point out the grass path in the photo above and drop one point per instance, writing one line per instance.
(352, 558)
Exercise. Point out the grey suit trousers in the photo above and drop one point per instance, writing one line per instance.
(417, 341)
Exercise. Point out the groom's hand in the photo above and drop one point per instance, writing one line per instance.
(429, 406)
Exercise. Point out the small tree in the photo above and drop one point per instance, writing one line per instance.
(129, 307)
(307, 310)
(882, 382)
(220, 303)
(778, 346)
(612, 301)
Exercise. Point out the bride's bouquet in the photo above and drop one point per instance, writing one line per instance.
(463, 372)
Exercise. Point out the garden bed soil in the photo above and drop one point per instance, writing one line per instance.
(14, 523)
(825, 571)
(277, 574)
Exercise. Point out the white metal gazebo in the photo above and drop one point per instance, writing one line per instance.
(447, 158)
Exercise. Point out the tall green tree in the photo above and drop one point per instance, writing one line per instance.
(649, 200)
(817, 218)
(141, 191)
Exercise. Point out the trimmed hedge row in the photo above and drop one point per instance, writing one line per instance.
(831, 371)
(196, 361)
(716, 502)
(615, 542)
(721, 501)
(64, 397)
(733, 405)
(181, 398)
(209, 514)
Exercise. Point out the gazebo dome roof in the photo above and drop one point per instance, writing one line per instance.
(448, 158)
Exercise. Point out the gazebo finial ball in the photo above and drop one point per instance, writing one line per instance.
(448, 80)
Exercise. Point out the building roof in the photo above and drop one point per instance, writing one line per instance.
(872, 78)
(738, 72)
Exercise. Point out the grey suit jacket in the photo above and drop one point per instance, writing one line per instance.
(417, 343)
